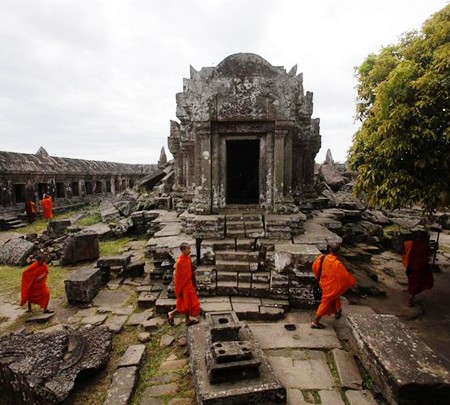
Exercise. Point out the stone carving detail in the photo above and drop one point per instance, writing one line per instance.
(41, 368)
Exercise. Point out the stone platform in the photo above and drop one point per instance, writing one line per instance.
(263, 390)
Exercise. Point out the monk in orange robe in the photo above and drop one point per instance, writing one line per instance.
(47, 206)
(415, 256)
(34, 288)
(187, 299)
(30, 208)
(335, 280)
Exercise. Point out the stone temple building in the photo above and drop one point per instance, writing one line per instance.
(245, 138)
(28, 176)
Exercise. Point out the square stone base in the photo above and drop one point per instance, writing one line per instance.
(266, 389)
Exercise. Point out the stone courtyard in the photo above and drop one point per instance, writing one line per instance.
(314, 366)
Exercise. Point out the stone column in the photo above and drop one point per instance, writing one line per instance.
(202, 199)
(215, 172)
(278, 170)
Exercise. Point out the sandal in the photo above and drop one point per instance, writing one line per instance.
(192, 322)
(170, 320)
(317, 325)
(338, 314)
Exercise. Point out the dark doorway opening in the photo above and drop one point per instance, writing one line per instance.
(243, 172)
(20, 193)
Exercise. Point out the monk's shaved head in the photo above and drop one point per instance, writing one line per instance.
(184, 246)
(334, 247)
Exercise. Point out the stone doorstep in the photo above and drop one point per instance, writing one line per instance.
(122, 386)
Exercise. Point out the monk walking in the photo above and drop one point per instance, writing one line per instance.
(334, 281)
(34, 288)
(30, 208)
(47, 206)
(415, 256)
(187, 299)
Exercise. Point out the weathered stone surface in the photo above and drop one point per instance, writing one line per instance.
(80, 246)
(157, 391)
(94, 319)
(302, 374)
(41, 368)
(347, 369)
(362, 398)
(139, 318)
(265, 390)
(278, 336)
(406, 370)
(15, 252)
(83, 285)
(115, 323)
(122, 386)
(172, 365)
(58, 228)
(114, 261)
(133, 356)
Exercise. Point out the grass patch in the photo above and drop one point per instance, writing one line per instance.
(92, 218)
(390, 229)
(115, 247)
(155, 356)
(311, 396)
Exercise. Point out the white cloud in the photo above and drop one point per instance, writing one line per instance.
(97, 79)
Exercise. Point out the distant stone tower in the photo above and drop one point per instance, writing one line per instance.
(162, 158)
(329, 158)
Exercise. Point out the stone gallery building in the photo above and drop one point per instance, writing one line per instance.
(26, 176)
(245, 138)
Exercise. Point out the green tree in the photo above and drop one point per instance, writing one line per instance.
(402, 150)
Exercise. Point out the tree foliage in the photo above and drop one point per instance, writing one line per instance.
(402, 150)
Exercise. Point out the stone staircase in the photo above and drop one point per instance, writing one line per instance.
(11, 222)
(244, 226)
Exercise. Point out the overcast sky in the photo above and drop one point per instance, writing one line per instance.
(97, 79)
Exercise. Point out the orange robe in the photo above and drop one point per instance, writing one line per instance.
(30, 208)
(418, 270)
(335, 280)
(34, 285)
(47, 205)
(187, 299)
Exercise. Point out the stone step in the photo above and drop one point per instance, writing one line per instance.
(233, 266)
(227, 276)
(254, 224)
(17, 226)
(252, 218)
(235, 226)
(15, 221)
(236, 234)
(255, 233)
(237, 256)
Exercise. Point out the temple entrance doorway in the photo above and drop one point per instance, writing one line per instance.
(242, 172)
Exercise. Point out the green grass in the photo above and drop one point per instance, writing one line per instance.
(92, 218)
(115, 247)
(388, 230)
(155, 356)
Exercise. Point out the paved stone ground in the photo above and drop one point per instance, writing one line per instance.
(311, 363)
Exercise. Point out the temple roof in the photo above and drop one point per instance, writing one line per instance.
(42, 163)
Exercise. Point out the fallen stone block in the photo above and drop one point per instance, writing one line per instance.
(405, 369)
(41, 368)
(80, 246)
(15, 252)
(122, 386)
(133, 356)
(83, 285)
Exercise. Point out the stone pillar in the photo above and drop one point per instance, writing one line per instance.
(202, 199)
(215, 172)
(278, 170)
